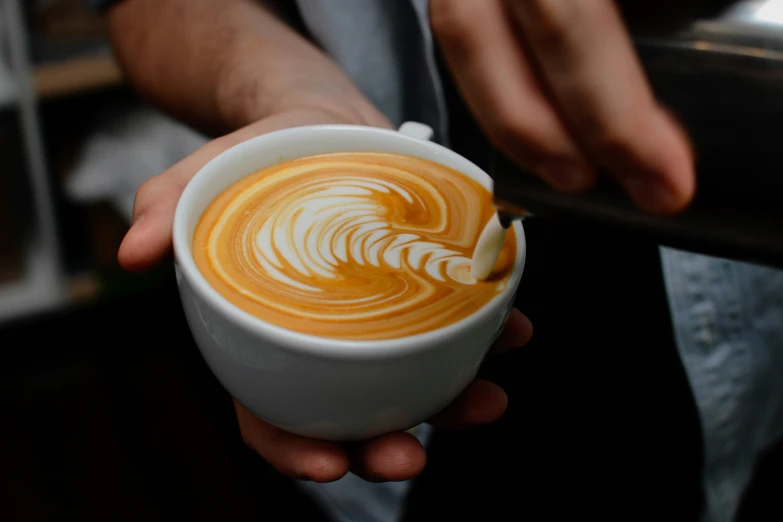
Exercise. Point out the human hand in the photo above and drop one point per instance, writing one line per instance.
(557, 87)
(396, 456)
(148, 242)
(391, 457)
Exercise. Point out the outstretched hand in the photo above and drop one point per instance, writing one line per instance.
(392, 457)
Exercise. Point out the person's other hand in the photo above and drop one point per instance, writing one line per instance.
(396, 456)
(557, 87)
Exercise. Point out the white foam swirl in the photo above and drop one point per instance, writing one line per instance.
(351, 241)
(337, 222)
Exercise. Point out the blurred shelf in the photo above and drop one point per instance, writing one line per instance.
(47, 283)
(40, 289)
(8, 91)
(26, 297)
(76, 75)
(34, 295)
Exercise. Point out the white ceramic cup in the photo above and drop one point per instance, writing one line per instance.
(322, 387)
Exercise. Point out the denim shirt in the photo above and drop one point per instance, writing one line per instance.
(727, 316)
(728, 323)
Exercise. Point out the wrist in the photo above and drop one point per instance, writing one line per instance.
(248, 92)
(340, 108)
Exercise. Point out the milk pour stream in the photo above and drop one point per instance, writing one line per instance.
(488, 248)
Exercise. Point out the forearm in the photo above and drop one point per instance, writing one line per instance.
(222, 64)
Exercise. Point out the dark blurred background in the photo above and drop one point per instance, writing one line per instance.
(107, 411)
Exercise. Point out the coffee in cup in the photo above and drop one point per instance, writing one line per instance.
(329, 378)
(360, 246)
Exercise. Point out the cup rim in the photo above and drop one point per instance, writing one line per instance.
(307, 343)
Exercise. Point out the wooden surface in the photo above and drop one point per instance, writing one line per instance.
(76, 75)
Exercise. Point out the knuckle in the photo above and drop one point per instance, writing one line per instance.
(169, 184)
(614, 141)
(454, 21)
(146, 188)
(515, 136)
(553, 20)
(547, 15)
(512, 131)
(445, 15)
(144, 194)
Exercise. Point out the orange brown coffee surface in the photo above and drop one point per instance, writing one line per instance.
(352, 245)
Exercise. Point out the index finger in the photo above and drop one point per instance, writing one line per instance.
(588, 62)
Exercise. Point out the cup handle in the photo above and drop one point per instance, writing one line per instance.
(416, 130)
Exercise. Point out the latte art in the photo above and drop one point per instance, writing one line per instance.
(354, 246)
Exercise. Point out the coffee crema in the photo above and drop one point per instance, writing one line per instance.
(353, 246)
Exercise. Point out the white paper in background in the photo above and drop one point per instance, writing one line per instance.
(7, 82)
(127, 147)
